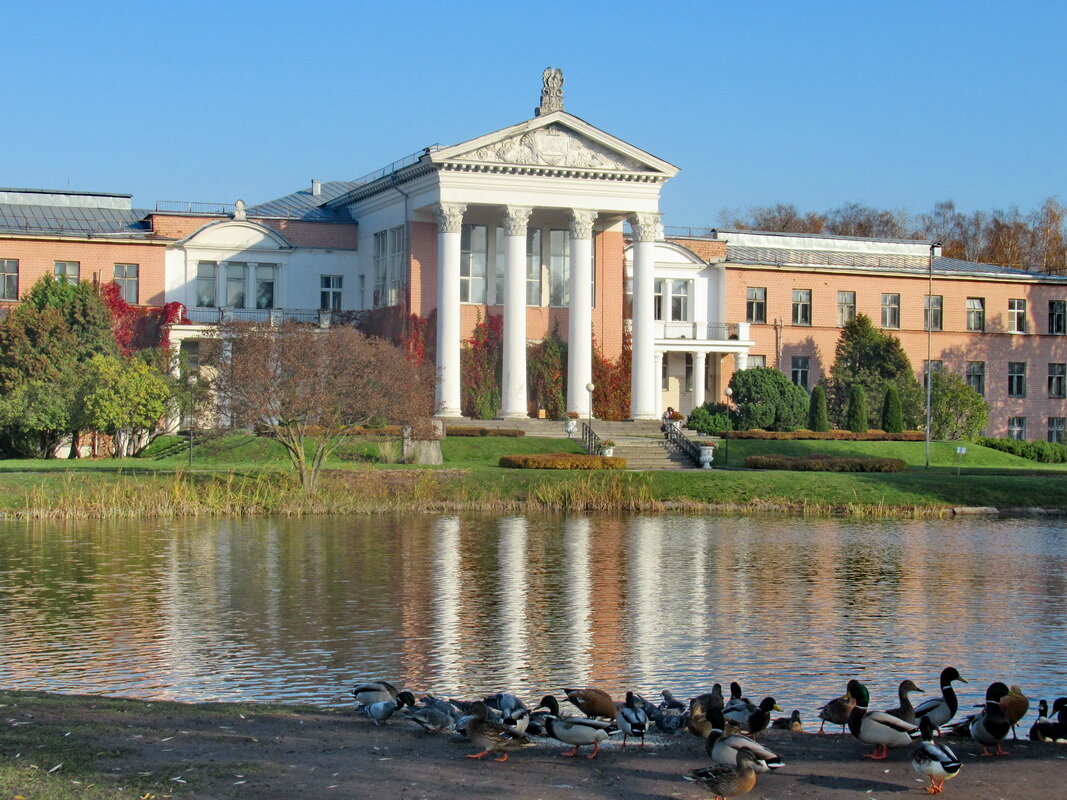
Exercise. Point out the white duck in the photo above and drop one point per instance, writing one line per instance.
(935, 761)
(576, 731)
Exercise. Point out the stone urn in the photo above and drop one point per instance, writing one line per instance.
(607, 452)
(707, 455)
(570, 426)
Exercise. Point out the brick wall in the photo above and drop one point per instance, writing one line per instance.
(707, 249)
(328, 235)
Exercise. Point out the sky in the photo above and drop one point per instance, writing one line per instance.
(893, 104)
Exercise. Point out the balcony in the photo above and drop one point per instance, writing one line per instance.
(271, 316)
(703, 331)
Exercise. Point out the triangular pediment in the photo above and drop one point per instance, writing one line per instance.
(556, 141)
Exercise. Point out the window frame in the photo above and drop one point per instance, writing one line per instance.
(236, 276)
(891, 310)
(1057, 434)
(1017, 315)
(802, 307)
(330, 295)
(933, 312)
(976, 316)
(976, 376)
(1017, 428)
(800, 371)
(473, 284)
(9, 279)
(1057, 317)
(65, 275)
(1057, 380)
(1017, 379)
(260, 279)
(756, 306)
(846, 308)
(202, 281)
(125, 281)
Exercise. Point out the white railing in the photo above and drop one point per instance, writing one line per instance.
(703, 331)
(272, 316)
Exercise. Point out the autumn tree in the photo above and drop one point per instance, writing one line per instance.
(124, 398)
(309, 387)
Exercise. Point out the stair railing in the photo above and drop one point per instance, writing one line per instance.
(683, 442)
(590, 441)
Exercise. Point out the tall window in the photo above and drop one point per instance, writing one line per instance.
(495, 296)
(890, 310)
(473, 259)
(802, 306)
(932, 312)
(976, 376)
(266, 278)
(236, 283)
(688, 372)
(1016, 379)
(9, 279)
(381, 266)
(389, 247)
(680, 301)
(1057, 317)
(1017, 316)
(800, 370)
(846, 308)
(1057, 429)
(1057, 380)
(206, 276)
(533, 266)
(1016, 427)
(189, 357)
(665, 374)
(559, 268)
(68, 271)
(976, 313)
(330, 292)
(657, 300)
(397, 246)
(126, 276)
(936, 365)
(756, 304)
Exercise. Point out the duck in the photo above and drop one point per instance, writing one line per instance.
(507, 704)
(592, 702)
(725, 780)
(669, 720)
(790, 723)
(493, 736)
(1015, 705)
(710, 700)
(942, 709)
(756, 719)
(935, 761)
(383, 710)
(670, 701)
(631, 719)
(1051, 730)
(990, 725)
(374, 692)
(1042, 719)
(575, 731)
(698, 723)
(433, 715)
(723, 749)
(837, 710)
(737, 703)
(876, 727)
(905, 711)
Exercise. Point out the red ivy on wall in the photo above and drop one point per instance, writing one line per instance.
(140, 327)
(611, 397)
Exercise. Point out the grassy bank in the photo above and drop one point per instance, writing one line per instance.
(244, 475)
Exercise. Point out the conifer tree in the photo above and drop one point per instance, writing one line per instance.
(892, 414)
(818, 419)
(856, 416)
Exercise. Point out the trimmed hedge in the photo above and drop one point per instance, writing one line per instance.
(512, 432)
(562, 461)
(837, 436)
(825, 463)
(1046, 452)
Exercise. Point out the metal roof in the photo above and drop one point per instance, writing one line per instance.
(303, 205)
(73, 220)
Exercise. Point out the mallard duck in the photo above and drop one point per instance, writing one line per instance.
(790, 723)
(1051, 730)
(380, 712)
(755, 719)
(1015, 705)
(936, 761)
(942, 709)
(493, 736)
(737, 702)
(592, 702)
(698, 723)
(837, 710)
(631, 719)
(990, 725)
(576, 731)
(669, 720)
(1042, 719)
(876, 727)
(724, 780)
(709, 700)
(374, 692)
(905, 711)
(723, 749)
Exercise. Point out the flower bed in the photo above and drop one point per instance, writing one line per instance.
(562, 461)
(512, 432)
(825, 463)
(836, 436)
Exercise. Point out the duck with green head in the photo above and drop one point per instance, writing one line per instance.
(877, 727)
(990, 725)
(936, 761)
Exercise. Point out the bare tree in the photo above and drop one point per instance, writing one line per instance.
(308, 387)
(782, 217)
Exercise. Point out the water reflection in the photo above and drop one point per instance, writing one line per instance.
(296, 609)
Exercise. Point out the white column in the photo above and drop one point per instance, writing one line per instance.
(699, 378)
(580, 328)
(740, 361)
(449, 228)
(657, 364)
(644, 378)
(513, 400)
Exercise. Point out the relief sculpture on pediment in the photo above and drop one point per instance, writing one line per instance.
(553, 146)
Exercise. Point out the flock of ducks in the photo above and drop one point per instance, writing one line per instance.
(502, 723)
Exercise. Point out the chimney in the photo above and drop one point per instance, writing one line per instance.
(316, 188)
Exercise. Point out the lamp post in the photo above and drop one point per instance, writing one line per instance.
(589, 387)
(729, 393)
(929, 347)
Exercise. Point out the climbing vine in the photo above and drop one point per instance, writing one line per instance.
(480, 367)
(546, 375)
(611, 397)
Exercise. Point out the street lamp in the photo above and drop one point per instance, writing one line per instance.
(589, 388)
(729, 393)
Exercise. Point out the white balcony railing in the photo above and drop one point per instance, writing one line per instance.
(272, 316)
(703, 331)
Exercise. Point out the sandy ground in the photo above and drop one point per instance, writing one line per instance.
(265, 752)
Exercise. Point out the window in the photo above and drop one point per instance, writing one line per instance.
(665, 374)
(559, 268)
(1057, 317)
(657, 302)
(802, 306)
(236, 282)
(266, 277)
(126, 278)
(756, 304)
(389, 247)
(397, 246)
(1017, 316)
(976, 376)
(756, 361)
(9, 279)
(330, 294)
(932, 312)
(68, 271)
(976, 313)
(533, 267)
(680, 301)
(800, 370)
(206, 273)
(937, 365)
(846, 308)
(474, 254)
(189, 357)
(1016, 427)
(1057, 380)
(688, 372)
(890, 310)
(1057, 429)
(1016, 379)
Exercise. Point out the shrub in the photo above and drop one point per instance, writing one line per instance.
(842, 436)
(856, 416)
(892, 412)
(765, 398)
(956, 410)
(1045, 452)
(710, 418)
(562, 461)
(818, 420)
(472, 431)
(825, 463)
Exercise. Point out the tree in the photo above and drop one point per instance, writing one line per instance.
(80, 306)
(817, 417)
(710, 419)
(892, 415)
(765, 398)
(126, 399)
(856, 416)
(956, 410)
(36, 415)
(309, 387)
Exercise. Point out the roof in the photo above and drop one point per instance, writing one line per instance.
(303, 205)
(73, 220)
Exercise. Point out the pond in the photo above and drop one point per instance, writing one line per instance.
(295, 610)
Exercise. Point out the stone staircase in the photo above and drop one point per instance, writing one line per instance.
(646, 453)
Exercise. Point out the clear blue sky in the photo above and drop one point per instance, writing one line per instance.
(895, 104)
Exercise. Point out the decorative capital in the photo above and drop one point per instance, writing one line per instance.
(551, 91)
(239, 210)
(582, 223)
(450, 216)
(646, 227)
(516, 219)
